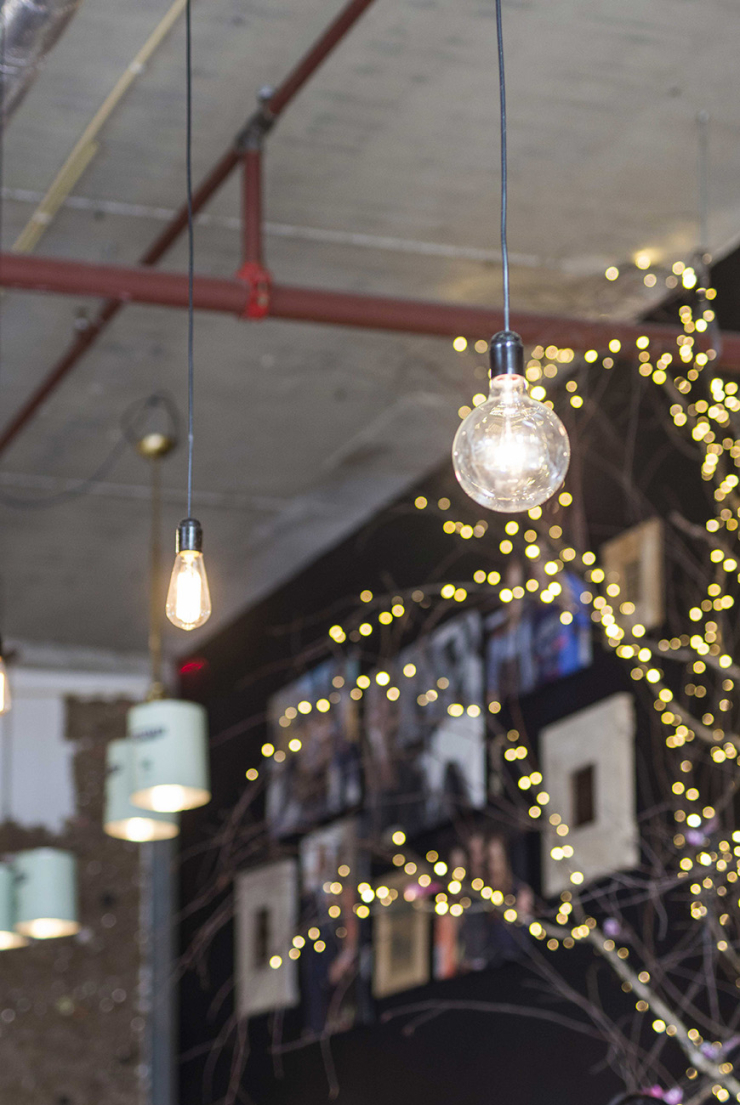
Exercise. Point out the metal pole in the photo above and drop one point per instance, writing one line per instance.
(156, 601)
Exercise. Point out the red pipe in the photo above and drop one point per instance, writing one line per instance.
(447, 320)
(273, 107)
(76, 350)
(252, 206)
(208, 187)
(136, 285)
(308, 65)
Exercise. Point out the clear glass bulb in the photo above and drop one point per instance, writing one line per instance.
(188, 598)
(511, 453)
(4, 688)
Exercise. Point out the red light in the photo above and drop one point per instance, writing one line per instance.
(192, 667)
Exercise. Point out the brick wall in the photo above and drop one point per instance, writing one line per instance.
(71, 1030)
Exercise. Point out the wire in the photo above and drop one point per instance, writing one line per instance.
(3, 80)
(702, 124)
(504, 163)
(191, 242)
(131, 430)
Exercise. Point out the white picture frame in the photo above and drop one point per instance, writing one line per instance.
(635, 560)
(588, 761)
(265, 922)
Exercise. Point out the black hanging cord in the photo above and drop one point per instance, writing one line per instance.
(504, 163)
(191, 243)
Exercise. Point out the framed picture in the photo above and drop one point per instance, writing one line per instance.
(335, 963)
(528, 645)
(265, 922)
(316, 715)
(588, 761)
(400, 939)
(479, 939)
(425, 731)
(634, 560)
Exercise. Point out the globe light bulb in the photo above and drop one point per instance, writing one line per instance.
(188, 598)
(511, 453)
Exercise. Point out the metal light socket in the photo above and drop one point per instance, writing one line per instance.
(507, 354)
(189, 536)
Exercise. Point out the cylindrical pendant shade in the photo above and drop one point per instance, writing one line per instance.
(122, 819)
(171, 755)
(46, 893)
(9, 938)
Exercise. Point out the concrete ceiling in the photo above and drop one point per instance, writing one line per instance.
(381, 177)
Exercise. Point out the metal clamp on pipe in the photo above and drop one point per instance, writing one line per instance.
(259, 125)
(259, 287)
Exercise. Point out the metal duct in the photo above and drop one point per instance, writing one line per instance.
(29, 30)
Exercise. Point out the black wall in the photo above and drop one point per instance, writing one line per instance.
(620, 441)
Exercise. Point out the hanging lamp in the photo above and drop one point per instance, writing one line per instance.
(9, 938)
(167, 739)
(188, 603)
(46, 895)
(511, 453)
(122, 819)
(170, 756)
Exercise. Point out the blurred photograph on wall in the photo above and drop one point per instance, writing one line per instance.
(315, 772)
(479, 938)
(335, 964)
(400, 936)
(530, 644)
(425, 731)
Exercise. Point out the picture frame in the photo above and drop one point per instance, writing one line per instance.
(529, 645)
(265, 922)
(401, 940)
(315, 772)
(425, 730)
(635, 560)
(588, 762)
(336, 959)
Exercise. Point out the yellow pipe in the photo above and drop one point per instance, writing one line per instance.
(86, 146)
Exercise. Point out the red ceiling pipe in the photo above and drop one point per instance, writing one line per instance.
(308, 65)
(134, 285)
(271, 107)
(448, 320)
(445, 320)
(77, 349)
(252, 205)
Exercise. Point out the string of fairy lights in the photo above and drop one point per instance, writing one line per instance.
(706, 867)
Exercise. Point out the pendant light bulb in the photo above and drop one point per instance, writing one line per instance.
(511, 453)
(4, 686)
(188, 598)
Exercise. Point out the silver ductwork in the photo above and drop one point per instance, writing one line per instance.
(29, 29)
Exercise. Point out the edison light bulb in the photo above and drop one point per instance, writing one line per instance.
(4, 686)
(188, 598)
(511, 453)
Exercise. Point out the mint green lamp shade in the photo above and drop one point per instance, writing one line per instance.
(9, 938)
(46, 893)
(122, 819)
(171, 755)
